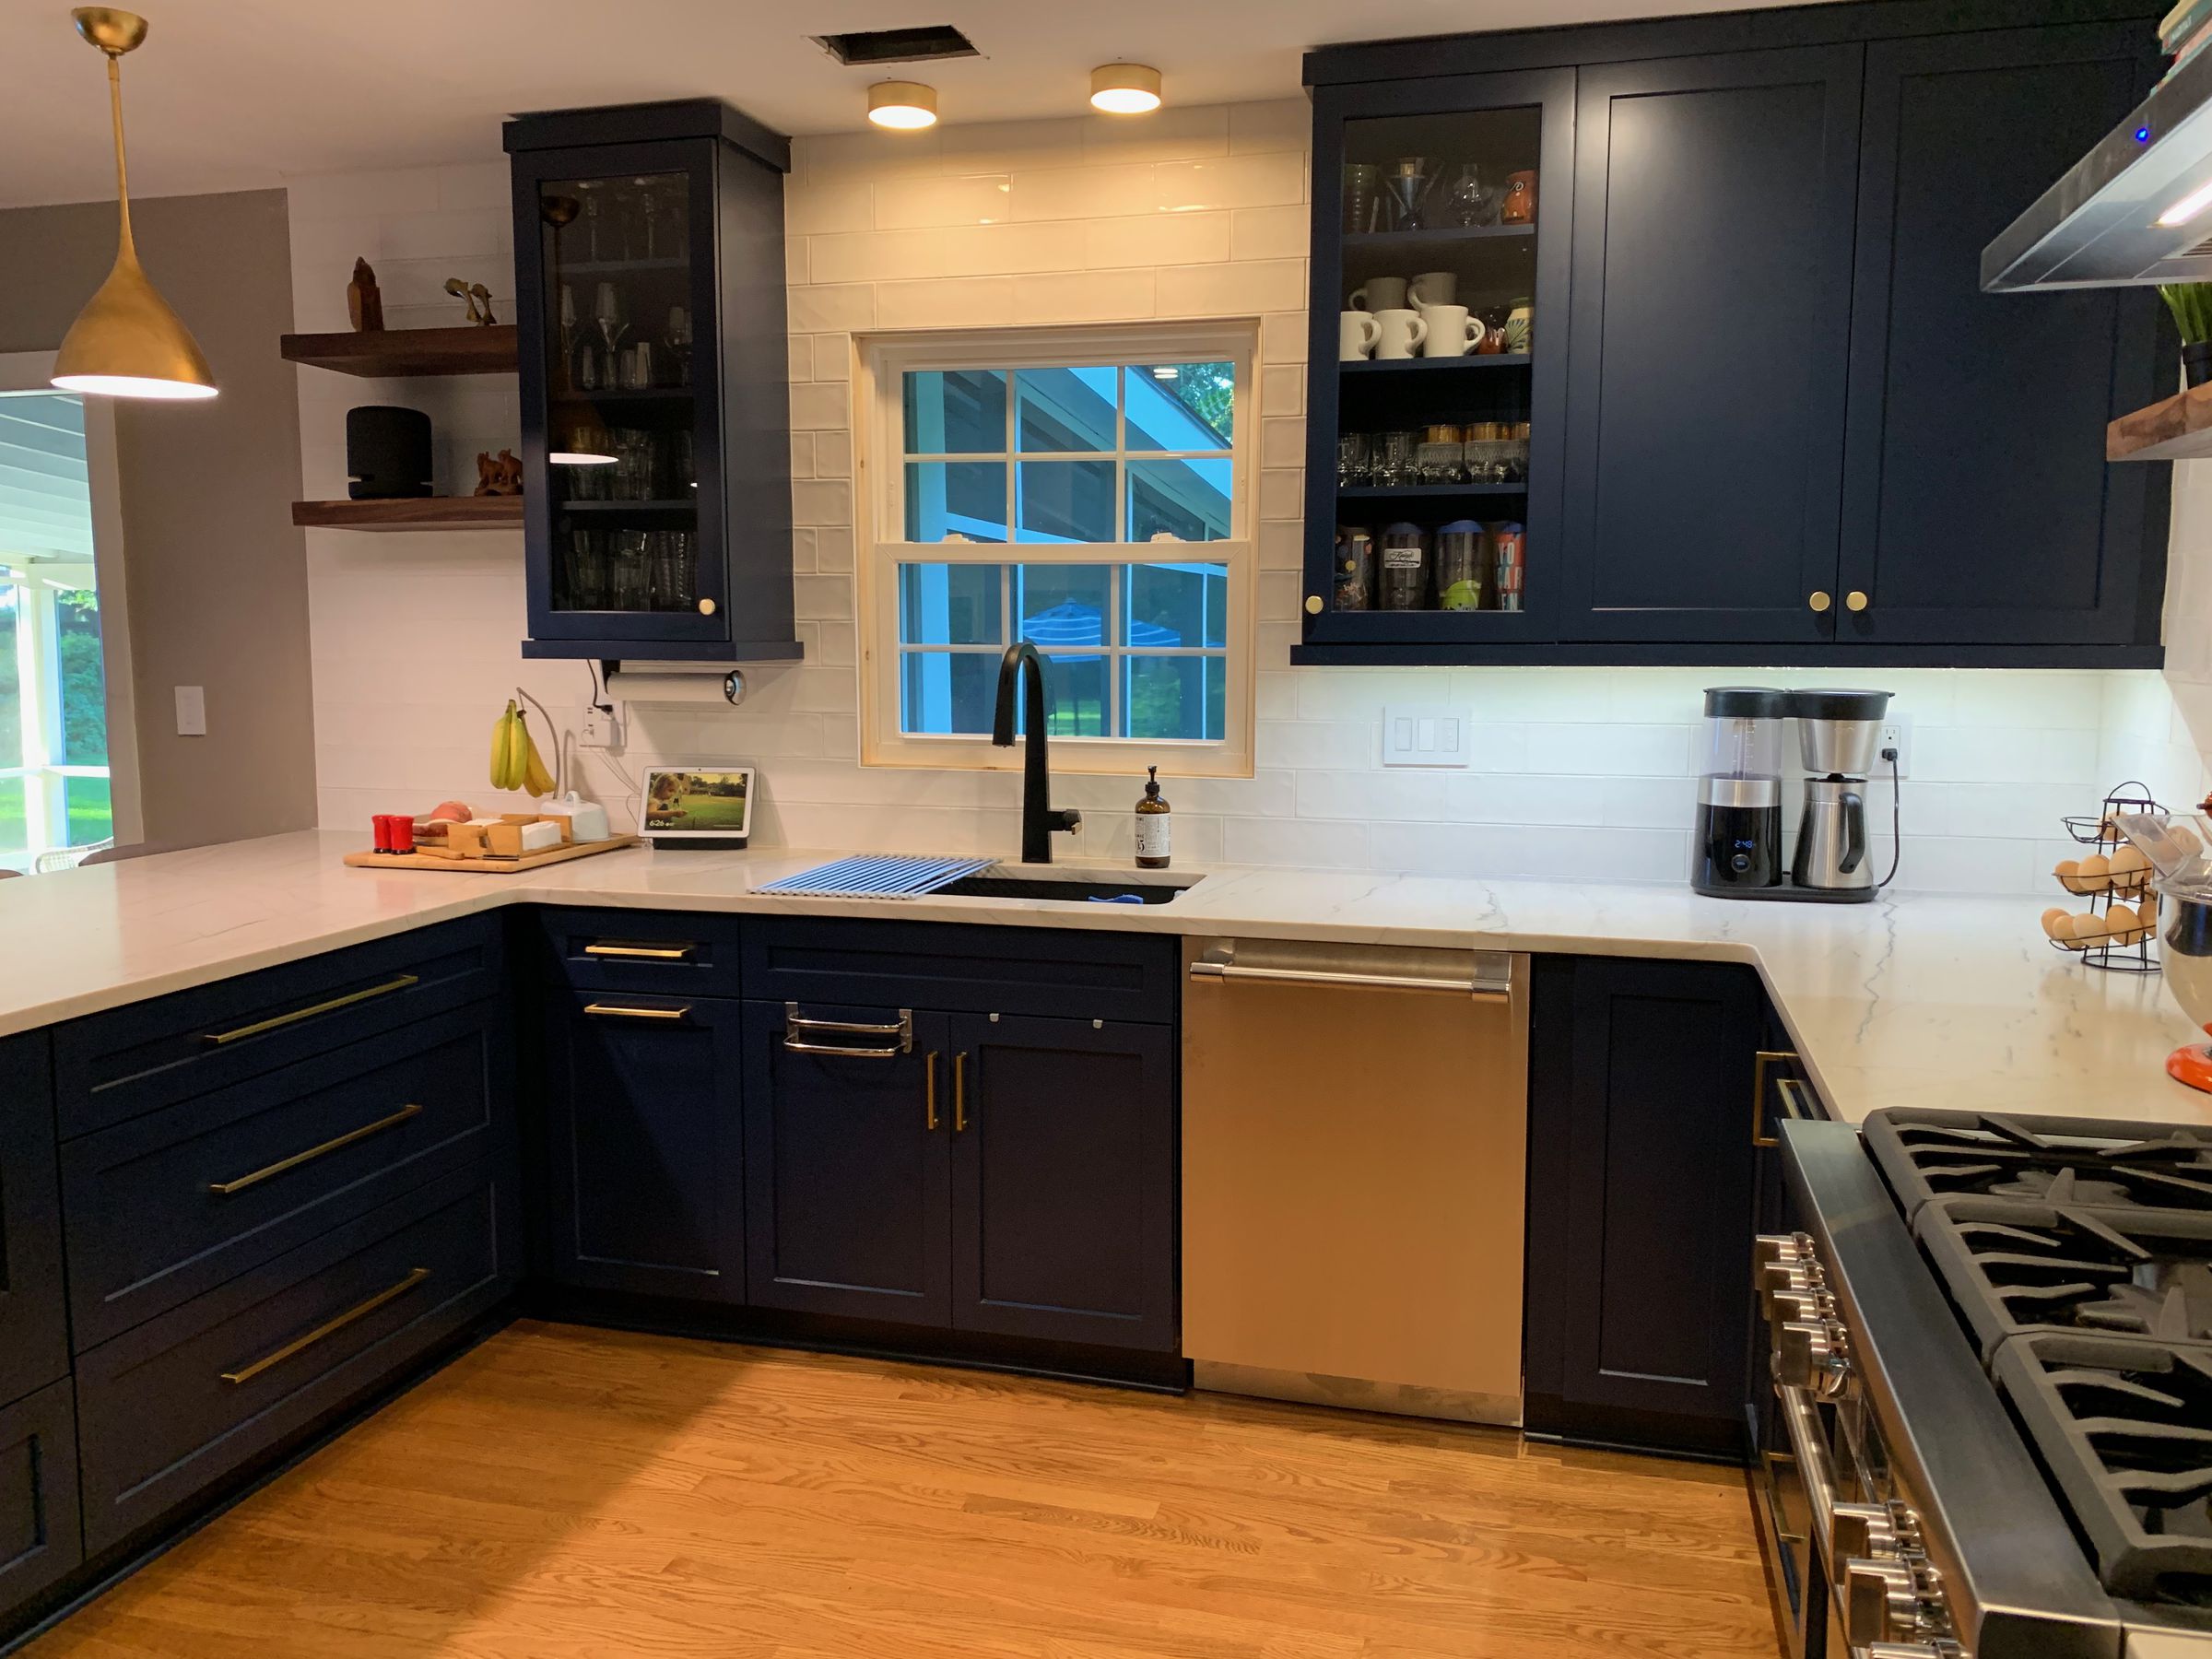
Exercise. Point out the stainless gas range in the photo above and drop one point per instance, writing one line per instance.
(1991, 1340)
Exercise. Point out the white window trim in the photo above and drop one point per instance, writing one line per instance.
(880, 359)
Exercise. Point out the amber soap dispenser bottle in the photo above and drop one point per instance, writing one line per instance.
(1152, 824)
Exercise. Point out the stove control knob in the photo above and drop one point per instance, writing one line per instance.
(1861, 1529)
(1808, 1354)
(1784, 1280)
(1880, 1599)
(1771, 1249)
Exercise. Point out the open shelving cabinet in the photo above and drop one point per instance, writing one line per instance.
(1501, 125)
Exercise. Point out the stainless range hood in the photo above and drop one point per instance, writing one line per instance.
(2097, 226)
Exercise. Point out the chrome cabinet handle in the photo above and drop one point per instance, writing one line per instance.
(276, 1022)
(224, 1188)
(1481, 990)
(642, 953)
(331, 1328)
(1815, 1468)
(903, 1029)
(1792, 1090)
(1766, 1057)
(623, 1011)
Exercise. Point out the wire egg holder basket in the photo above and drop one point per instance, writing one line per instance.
(2115, 932)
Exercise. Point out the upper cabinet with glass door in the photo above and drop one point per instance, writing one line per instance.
(656, 447)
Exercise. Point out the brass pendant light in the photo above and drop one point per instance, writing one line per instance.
(127, 342)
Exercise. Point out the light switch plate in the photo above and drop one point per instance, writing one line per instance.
(192, 712)
(1425, 735)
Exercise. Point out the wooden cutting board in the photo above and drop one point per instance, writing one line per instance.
(504, 867)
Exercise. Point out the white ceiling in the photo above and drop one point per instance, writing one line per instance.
(237, 94)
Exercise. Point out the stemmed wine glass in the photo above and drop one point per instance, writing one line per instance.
(679, 343)
(606, 311)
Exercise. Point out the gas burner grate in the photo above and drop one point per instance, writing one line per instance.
(2061, 1161)
(2125, 1425)
(2011, 1267)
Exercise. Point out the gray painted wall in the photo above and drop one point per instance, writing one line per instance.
(216, 573)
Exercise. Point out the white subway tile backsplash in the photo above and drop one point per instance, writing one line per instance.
(1199, 212)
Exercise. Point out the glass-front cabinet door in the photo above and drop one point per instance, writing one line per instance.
(1437, 364)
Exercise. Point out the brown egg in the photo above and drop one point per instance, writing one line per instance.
(2121, 919)
(2183, 839)
(2058, 923)
(2128, 856)
(2088, 928)
(2094, 871)
(2064, 870)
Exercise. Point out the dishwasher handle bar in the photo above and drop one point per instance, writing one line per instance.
(1482, 990)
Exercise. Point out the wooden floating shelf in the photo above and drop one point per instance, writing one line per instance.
(1436, 365)
(413, 513)
(1441, 237)
(387, 352)
(2175, 428)
(1424, 492)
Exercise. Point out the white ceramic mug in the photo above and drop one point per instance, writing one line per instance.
(1356, 336)
(1379, 294)
(1432, 288)
(1452, 331)
(1402, 332)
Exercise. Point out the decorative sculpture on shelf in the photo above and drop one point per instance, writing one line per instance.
(364, 300)
(462, 288)
(500, 476)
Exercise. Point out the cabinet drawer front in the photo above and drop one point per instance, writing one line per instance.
(109, 1067)
(964, 969)
(39, 1535)
(171, 1205)
(173, 1405)
(679, 955)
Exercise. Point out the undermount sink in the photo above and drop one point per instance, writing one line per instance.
(1073, 886)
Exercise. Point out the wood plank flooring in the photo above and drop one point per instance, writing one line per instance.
(561, 1491)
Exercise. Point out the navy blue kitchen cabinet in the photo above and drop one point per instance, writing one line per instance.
(1064, 1150)
(41, 1538)
(643, 1150)
(1978, 503)
(1641, 1128)
(1790, 429)
(848, 1124)
(34, 1331)
(1711, 324)
(653, 370)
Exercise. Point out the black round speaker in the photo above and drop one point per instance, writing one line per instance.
(387, 453)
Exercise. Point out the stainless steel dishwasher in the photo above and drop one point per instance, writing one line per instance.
(1355, 1137)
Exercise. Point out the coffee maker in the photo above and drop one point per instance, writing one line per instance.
(1739, 795)
(1839, 739)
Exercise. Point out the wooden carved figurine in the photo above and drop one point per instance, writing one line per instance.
(364, 303)
(501, 476)
(462, 289)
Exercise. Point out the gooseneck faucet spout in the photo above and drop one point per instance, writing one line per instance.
(1039, 820)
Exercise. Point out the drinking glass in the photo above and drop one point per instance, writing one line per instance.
(1408, 184)
(608, 313)
(627, 572)
(679, 338)
(1394, 458)
(1354, 460)
(1362, 197)
(1472, 202)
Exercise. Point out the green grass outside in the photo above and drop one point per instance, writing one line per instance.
(698, 812)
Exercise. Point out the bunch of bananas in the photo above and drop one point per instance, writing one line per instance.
(515, 762)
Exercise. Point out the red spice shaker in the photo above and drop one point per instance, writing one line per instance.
(380, 824)
(403, 832)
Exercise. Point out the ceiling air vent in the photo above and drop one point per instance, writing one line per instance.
(874, 46)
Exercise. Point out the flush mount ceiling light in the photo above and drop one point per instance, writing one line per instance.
(127, 342)
(1125, 89)
(904, 106)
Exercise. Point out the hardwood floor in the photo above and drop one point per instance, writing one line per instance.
(563, 1491)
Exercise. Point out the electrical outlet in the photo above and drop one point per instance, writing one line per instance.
(1897, 734)
(600, 730)
(1425, 735)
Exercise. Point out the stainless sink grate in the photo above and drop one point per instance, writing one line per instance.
(877, 875)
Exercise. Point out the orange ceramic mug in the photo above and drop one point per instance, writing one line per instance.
(1520, 207)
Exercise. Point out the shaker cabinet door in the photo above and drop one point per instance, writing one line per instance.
(848, 1137)
(1979, 508)
(34, 1339)
(1711, 320)
(1064, 1152)
(644, 1153)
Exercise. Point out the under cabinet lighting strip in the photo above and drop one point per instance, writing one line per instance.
(876, 877)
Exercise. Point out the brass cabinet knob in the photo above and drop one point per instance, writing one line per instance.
(1819, 601)
(706, 607)
(1312, 605)
(1854, 600)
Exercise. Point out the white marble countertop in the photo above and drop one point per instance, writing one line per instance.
(1918, 1001)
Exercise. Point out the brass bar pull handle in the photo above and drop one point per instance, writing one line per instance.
(959, 1094)
(1792, 1092)
(902, 1029)
(1759, 1137)
(929, 1094)
(397, 982)
(642, 953)
(329, 1327)
(623, 1011)
(223, 1189)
